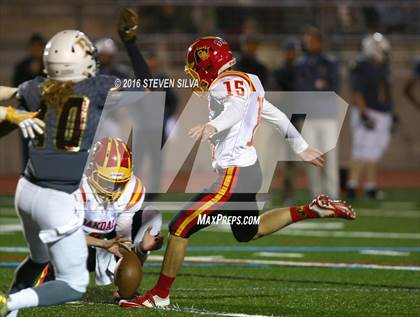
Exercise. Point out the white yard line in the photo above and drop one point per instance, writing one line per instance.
(290, 231)
(10, 228)
(279, 254)
(385, 252)
(196, 311)
(397, 213)
(318, 225)
(352, 234)
(186, 310)
(14, 249)
(216, 260)
(367, 289)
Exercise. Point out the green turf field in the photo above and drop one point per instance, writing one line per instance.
(368, 267)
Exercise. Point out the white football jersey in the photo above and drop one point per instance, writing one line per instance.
(236, 106)
(103, 218)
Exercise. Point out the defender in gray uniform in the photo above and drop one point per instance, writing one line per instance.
(70, 103)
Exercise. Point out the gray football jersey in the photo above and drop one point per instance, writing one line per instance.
(71, 112)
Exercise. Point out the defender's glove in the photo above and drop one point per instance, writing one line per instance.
(24, 119)
(128, 23)
(367, 121)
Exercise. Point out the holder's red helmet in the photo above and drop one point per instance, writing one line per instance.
(110, 168)
(207, 58)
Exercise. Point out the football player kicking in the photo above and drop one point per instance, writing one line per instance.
(111, 197)
(236, 104)
(70, 102)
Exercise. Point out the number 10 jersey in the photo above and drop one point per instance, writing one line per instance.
(71, 112)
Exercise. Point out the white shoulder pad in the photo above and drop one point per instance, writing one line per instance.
(133, 196)
(232, 84)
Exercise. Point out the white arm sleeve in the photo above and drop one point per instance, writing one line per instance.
(7, 93)
(234, 110)
(274, 116)
(124, 225)
(3, 113)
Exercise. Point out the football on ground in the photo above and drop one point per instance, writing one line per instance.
(128, 275)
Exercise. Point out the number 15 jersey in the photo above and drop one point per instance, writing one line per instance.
(236, 106)
(71, 112)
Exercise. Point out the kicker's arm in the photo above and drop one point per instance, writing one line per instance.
(280, 121)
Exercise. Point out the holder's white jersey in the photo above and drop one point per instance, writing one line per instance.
(103, 218)
(236, 106)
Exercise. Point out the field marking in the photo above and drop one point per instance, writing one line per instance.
(155, 261)
(334, 234)
(317, 225)
(279, 255)
(372, 266)
(262, 248)
(352, 234)
(384, 252)
(368, 212)
(297, 289)
(196, 311)
(10, 228)
(175, 308)
(317, 249)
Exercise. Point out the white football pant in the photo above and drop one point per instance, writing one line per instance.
(45, 209)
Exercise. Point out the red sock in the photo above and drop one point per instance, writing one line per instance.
(163, 285)
(301, 213)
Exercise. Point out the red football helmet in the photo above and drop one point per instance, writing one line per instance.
(110, 168)
(207, 58)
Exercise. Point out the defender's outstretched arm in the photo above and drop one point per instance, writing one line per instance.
(128, 24)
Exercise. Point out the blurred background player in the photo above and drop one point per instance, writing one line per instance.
(149, 153)
(285, 80)
(26, 69)
(317, 71)
(412, 85)
(31, 65)
(372, 113)
(107, 51)
(171, 99)
(248, 61)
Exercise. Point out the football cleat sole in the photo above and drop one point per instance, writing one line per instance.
(152, 302)
(329, 208)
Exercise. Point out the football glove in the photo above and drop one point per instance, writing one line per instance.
(128, 23)
(26, 121)
(367, 121)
